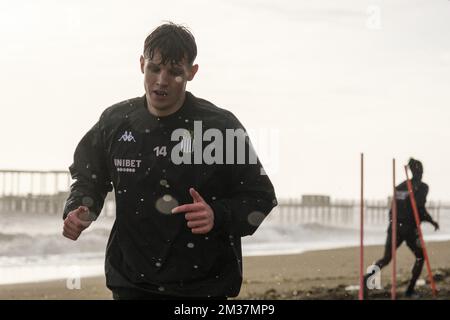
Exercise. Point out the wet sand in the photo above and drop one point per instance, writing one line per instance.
(323, 274)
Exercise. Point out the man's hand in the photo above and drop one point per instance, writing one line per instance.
(435, 225)
(199, 214)
(75, 222)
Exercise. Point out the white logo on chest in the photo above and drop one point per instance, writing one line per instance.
(127, 137)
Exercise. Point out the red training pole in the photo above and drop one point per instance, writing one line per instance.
(422, 242)
(394, 236)
(361, 244)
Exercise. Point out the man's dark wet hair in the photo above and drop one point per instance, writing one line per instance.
(173, 41)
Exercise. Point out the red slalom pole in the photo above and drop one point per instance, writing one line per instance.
(394, 236)
(422, 242)
(361, 235)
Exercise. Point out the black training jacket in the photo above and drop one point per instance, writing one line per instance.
(150, 249)
(405, 215)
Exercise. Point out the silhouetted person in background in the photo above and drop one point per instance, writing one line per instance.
(406, 225)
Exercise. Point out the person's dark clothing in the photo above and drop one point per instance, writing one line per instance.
(407, 228)
(151, 250)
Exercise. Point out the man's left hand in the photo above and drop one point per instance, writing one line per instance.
(199, 214)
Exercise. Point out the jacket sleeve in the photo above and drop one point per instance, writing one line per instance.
(250, 196)
(421, 199)
(89, 170)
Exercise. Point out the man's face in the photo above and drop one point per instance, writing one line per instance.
(165, 84)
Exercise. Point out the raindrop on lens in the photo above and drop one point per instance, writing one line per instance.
(158, 264)
(190, 245)
(163, 182)
(87, 201)
(166, 203)
(94, 176)
(161, 289)
(256, 218)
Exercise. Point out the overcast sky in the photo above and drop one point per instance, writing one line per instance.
(318, 82)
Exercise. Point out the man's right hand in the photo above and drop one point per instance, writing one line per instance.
(75, 222)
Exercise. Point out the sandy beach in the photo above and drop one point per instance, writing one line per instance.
(323, 274)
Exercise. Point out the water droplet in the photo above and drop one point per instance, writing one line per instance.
(195, 266)
(126, 116)
(166, 203)
(158, 264)
(190, 245)
(161, 289)
(87, 201)
(124, 190)
(186, 120)
(217, 277)
(230, 236)
(206, 238)
(163, 182)
(142, 275)
(164, 170)
(213, 198)
(131, 104)
(87, 166)
(137, 212)
(119, 192)
(147, 130)
(231, 243)
(178, 79)
(94, 176)
(242, 182)
(142, 200)
(256, 218)
(159, 119)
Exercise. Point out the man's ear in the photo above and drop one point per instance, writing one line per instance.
(192, 72)
(142, 61)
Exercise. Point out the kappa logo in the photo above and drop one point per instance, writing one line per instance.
(127, 137)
